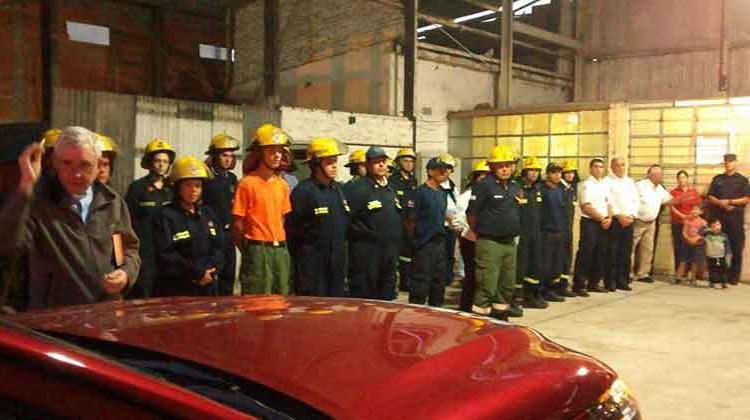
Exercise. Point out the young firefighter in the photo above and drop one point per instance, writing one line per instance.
(189, 242)
(718, 254)
(405, 182)
(218, 194)
(318, 224)
(553, 233)
(260, 205)
(494, 214)
(530, 244)
(107, 161)
(375, 231)
(145, 197)
(428, 216)
(356, 167)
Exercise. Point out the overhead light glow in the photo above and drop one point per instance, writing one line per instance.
(474, 16)
(745, 100)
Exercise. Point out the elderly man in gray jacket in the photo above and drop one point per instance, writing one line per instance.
(76, 231)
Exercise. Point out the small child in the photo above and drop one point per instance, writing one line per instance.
(694, 243)
(718, 254)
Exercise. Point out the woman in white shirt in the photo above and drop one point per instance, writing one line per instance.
(468, 237)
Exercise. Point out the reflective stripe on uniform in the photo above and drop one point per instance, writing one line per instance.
(375, 204)
(404, 259)
(321, 210)
(565, 276)
(212, 231)
(185, 234)
(147, 204)
(521, 200)
(530, 280)
(399, 192)
(500, 306)
(556, 280)
(518, 286)
(479, 310)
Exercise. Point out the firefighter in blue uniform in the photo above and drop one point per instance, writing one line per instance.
(570, 201)
(145, 198)
(405, 183)
(189, 238)
(529, 259)
(356, 167)
(318, 224)
(375, 231)
(218, 194)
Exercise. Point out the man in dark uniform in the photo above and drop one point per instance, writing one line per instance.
(375, 231)
(428, 216)
(218, 194)
(318, 224)
(404, 182)
(569, 184)
(553, 233)
(145, 198)
(729, 193)
(494, 215)
(529, 246)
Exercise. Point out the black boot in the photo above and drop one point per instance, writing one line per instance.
(550, 296)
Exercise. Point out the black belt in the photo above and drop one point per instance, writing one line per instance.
(274, 244)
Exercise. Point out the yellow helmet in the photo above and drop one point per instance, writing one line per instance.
(156, 146)
(448, 159)
(532, 162)
(481, 166)
(501, 154)
(108, 145)
(50, 138)
(221, 142)
(270, 135)
(189, 167)
(356, 157)
(405, 153)
(569, 166)
(323, 147)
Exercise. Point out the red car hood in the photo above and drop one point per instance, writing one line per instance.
(355, 358)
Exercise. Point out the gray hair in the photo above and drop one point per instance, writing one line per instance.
(79, 137)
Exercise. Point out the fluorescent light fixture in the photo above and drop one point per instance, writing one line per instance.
(492, 19)
(428, 28)
(528, 6)
(745, 100)
(421, 37)
(90, 34)
(701, 102)
(474, 16)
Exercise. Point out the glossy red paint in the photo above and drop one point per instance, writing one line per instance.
(75, 371)
(353, 358)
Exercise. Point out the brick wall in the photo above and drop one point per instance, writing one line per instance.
(333, 54)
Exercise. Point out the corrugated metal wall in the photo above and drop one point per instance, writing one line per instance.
(107, 113)
(133, 121)
(187, 126)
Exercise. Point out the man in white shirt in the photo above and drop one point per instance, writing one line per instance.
(624, 200)
(596, 220)
(652, 195)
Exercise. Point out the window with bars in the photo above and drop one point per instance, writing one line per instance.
(558, 136)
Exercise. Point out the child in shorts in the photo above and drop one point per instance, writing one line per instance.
(718, 254)
(694, 243)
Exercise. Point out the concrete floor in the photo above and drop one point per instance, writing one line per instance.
(683, 350)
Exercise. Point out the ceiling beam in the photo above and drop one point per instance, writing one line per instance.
(532, 31)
